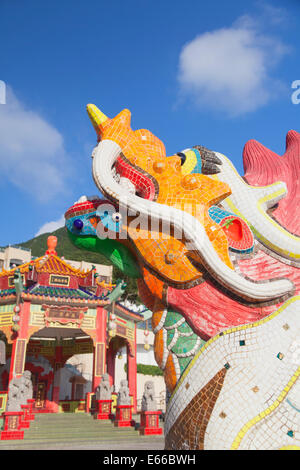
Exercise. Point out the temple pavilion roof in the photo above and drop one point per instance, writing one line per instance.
(57, 293)
(7, 292)
(62, 292)
(51, 277)
(48, 264)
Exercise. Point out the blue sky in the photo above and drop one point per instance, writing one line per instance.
(194, 72)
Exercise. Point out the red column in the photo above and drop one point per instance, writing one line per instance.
(99, 347)
(58, 363)
(111, 360)
(132, 371)
(20, 343)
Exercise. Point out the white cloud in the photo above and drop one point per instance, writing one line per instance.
(275, 15)
(51, 226)
(32, 153)
(228, 69)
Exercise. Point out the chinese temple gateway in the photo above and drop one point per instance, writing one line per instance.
(50, 311)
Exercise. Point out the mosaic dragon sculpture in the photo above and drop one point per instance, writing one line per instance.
(216, 257)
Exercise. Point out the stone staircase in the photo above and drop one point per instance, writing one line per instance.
(70, 431)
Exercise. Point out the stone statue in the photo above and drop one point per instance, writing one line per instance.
(2, 353)
(20, 390)
(123, 394)
(148, 400)
(14, 399)
(27, 388)
(104, 390)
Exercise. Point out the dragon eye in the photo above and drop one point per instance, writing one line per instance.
(116, 217)
(182, 156)
(78, 224)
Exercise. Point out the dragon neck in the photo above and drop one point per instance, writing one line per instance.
(176, 344)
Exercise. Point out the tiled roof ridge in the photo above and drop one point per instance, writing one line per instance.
(70, 269)
(40, 262)
(86, 291)
(62, 292)
(7, 292)
(105, 285)
(30, 288)
(131, 311)
(24, 268)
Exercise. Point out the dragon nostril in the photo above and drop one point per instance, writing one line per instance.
(78, 224)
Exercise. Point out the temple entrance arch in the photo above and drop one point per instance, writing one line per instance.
(116, 345)
(57, 346)
(121, 348)
(42, 379)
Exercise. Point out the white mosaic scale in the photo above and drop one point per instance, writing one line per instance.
(259, 404)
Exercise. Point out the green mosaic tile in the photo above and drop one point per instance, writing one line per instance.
(185, 328)
(184, 344)
(172, 318)
(170, 336)
(184, 362)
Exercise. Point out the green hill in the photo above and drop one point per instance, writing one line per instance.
(38, 246)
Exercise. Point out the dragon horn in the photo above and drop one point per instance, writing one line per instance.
(96, 116)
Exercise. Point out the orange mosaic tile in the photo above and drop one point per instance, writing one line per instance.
(159, 347)
(158, 312)
(145, 294)
(170, 374)
(155, 286)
